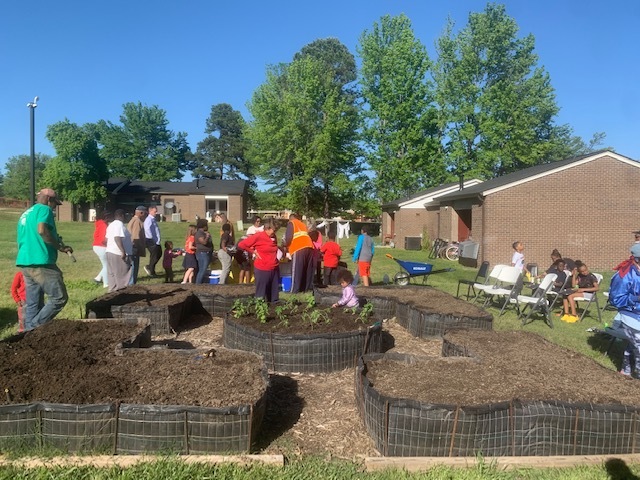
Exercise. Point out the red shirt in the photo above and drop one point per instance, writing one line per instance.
(265, 248)
(331, 252)
(99, 233)
(18, 288)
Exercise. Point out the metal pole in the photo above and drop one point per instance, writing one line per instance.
(32, 192)
(32, 106)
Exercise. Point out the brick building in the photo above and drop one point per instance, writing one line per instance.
(177, 201)
(585, 206)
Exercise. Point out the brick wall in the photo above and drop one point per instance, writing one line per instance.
(413, 222)
(587, 212)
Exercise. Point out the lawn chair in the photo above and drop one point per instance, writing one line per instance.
(482, 273)
(510, 283)
(538, 301)
(555, 295)
(590, 298)
(490, 282)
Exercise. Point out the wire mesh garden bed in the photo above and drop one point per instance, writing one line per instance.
(51, 372)
(546, 401)
(306, 353)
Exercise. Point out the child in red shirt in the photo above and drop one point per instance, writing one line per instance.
(331, 253)
(19, 294)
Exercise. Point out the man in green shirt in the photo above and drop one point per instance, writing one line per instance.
(38, 247)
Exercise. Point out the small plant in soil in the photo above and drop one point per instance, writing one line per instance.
(261, 309)
(363, 313)
(314, 317)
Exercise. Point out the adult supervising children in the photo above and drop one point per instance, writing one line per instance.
(152, 240)
(38, 247)
(301, 249)
(118, 252)
(363, 254)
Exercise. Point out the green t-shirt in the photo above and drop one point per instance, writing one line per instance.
(32, 249)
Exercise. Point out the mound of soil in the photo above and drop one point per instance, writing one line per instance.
(502, 366)
(68, 361)
(294, 318)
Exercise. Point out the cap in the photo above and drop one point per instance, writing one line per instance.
(142, 208)
(635, 250)
(49, 192)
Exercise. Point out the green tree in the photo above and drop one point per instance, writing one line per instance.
(17, 173)
(143, 147)
(400, 130)
(77, 172)
(496, 105)
(222, 154)
(304, 133)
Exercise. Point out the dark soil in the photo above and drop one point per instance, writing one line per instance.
(426, 298)
(297, 319)
(68, 361)
(503, 366)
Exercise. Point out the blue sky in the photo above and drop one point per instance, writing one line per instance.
(85, 59)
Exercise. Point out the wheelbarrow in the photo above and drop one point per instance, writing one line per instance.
(414, 269)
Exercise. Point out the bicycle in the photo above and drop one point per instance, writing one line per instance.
(445, 249)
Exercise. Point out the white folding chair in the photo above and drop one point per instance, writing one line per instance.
(590, 297)
(509, 285)
(555, 295)
(538, 301)
(490, 281)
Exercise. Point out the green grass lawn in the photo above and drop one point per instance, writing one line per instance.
(79, 280)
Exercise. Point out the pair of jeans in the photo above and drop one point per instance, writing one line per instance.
(101, 252)
(40, 281)
(203, 259)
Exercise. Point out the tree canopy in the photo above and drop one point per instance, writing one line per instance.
(400, 131)
(143, 147)
(222, 154)
(77, 172)
(304, 133)
(17, 170)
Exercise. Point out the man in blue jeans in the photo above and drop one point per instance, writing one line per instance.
(38, 247)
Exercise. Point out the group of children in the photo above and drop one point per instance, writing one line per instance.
(573, 279)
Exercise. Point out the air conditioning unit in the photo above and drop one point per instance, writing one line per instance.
(413, 243)
(176, 217)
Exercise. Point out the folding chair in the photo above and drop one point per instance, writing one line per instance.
(490, 282)
(590, 298)
(510, 283)
(538, 301)
(555, 295)
(482, 273)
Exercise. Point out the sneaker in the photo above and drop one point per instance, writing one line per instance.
(146, 269)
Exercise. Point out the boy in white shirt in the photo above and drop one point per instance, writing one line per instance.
(518, 257)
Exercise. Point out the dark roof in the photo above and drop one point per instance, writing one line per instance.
(520, 175)
(203, 186)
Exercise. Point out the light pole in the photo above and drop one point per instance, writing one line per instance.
(32, 106)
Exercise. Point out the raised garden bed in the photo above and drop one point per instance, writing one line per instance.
(167, 306)
(76, 385)
(522, 396)
(302, 342)
(424, 311)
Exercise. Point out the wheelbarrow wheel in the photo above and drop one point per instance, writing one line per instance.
(401, 279)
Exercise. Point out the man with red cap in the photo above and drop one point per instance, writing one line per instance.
(38, 247)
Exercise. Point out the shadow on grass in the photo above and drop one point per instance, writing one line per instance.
(284, 407)
(617, 469)
(605, 345)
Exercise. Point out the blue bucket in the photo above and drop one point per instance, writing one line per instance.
(214, 277)
(285, 282)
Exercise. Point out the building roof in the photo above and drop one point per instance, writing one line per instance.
(420, 199)
(532, 173)
(202, 186)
